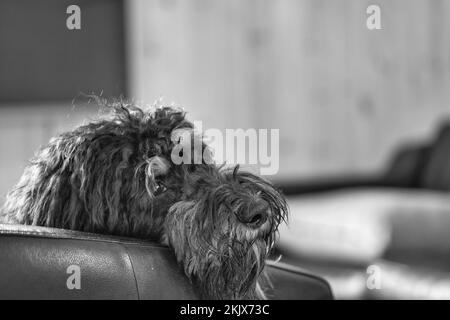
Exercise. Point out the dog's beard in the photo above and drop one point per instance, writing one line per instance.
(229, 266)
(235, 274)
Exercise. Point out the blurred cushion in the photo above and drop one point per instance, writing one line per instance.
(359, 226)
(402, 281)
(341, 226)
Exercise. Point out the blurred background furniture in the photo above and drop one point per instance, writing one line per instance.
(399, 220)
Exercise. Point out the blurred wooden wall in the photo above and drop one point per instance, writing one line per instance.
(342, 96)
(25, 128)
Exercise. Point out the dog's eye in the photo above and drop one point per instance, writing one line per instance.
(160, 188)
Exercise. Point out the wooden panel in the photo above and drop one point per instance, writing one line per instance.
(343, 97)
(24, 129)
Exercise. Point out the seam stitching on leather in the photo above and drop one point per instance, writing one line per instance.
(132, 269)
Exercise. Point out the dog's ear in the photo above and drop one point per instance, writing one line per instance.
(157, 166)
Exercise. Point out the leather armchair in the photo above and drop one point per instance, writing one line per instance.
(46, 263)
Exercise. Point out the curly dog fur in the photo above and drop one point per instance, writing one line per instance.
(115, 176)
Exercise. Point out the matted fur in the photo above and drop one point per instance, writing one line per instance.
(115, 176)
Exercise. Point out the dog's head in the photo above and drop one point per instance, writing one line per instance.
(117, 176)
(223, 229)
(222, 222)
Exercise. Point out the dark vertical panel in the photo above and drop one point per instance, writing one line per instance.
(41, 60)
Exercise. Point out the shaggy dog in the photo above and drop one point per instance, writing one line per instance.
(115, 176)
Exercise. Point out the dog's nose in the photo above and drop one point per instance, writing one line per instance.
(256, 214)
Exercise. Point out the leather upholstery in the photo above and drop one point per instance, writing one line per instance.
(34, 264)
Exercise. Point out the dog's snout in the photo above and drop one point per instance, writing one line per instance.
(255, 215)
